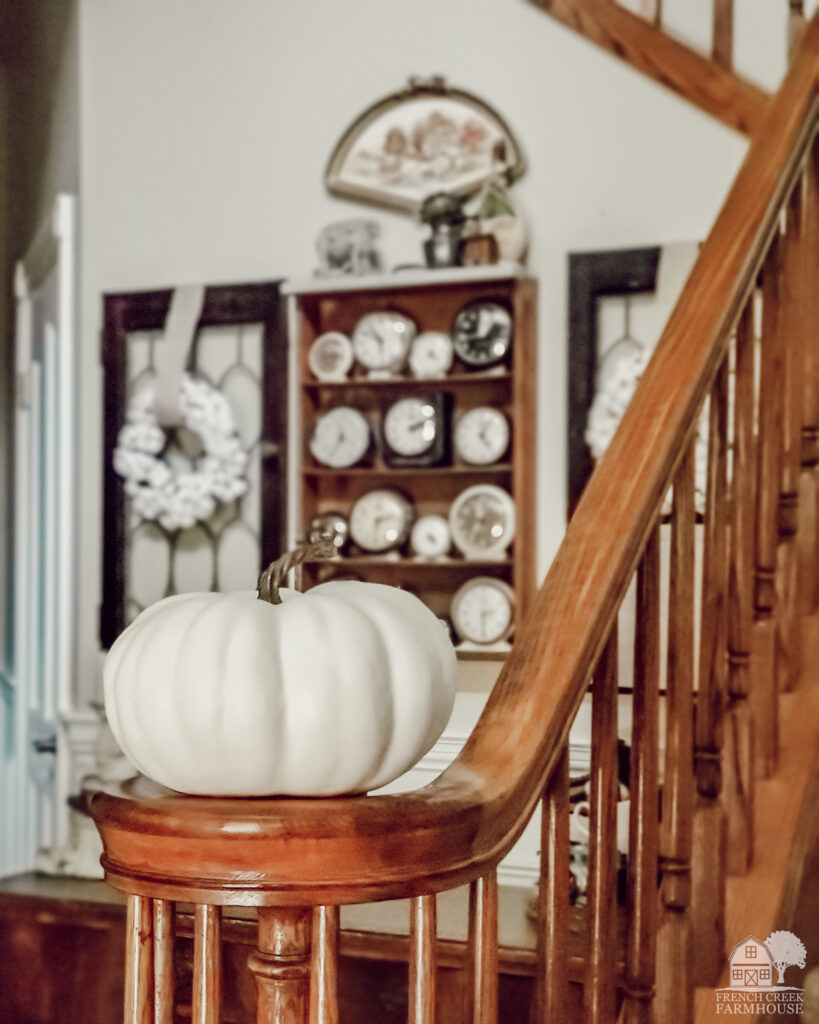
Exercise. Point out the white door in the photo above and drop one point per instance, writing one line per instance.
(37, 690)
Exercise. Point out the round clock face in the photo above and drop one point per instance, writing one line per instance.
(410, 426)
(431, 354)
(483, 610)
(381, 341)
(482, 520)
(430, 537)
(482, 436)
(331, 356)
(482, 333)
(380, 520)
(340, 438)
(329, 526)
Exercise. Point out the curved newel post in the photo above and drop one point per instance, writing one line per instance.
(764, 689)
(738, 744)
(641, 926)
(807, 302)
(709, 837)
(281, 965)
(674, 1003)
(599, 987)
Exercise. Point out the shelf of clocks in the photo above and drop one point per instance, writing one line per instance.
(432, 300)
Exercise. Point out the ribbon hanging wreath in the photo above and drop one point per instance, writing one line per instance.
(179, 499)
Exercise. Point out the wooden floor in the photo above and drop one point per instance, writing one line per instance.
(759, 902)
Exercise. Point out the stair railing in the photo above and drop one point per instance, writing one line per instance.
(743, 340)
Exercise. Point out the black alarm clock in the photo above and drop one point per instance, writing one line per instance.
(415, 431)
(482, 333)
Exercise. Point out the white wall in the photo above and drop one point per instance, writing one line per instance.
(206, 126)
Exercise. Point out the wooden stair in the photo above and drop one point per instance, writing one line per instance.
(708, 81)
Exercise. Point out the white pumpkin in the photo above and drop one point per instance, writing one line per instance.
(338, 690)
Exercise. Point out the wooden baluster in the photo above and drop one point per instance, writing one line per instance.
(764, 690)
(139, 968)
(553, 898)
(207, 965)
(796, 27)
(738, 756)
(674, 1001)
(811, 314)
(599, 991)
(324, 973)
(163, 962)
(422, 965)
(482, 986)
(643, 828)
(281, 964)
(808, 310)
(722, 44)
(791, 342)
(708, 856)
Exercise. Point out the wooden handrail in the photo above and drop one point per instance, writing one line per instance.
(709, 83)
(456, 829)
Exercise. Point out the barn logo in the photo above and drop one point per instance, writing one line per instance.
(756, 976)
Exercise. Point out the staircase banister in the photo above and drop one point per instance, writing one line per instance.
(354, 849)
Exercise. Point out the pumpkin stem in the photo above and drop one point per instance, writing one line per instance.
(274, 575)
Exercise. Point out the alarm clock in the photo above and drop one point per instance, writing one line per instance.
(482, 436)
(430, 537)
(482, 333)
(381, 520)
(381, 341)
(431, 354)
(415, 431)
(482, 520)
(341, 437)
(330, 356)
(483, 610)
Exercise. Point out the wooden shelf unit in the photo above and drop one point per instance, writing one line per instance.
(432, 299)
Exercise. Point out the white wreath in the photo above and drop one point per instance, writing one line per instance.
(607, 410)
(177, 500)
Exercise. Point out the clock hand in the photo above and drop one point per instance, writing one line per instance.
(418, 425)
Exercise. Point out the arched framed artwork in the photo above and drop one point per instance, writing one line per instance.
(429, 137)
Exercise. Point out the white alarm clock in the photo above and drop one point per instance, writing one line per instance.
(330, 356)
(431, 354)
(483, 610)
(482, 436)
(482, 520)
(381, 520)
(341, 437)
(381, 342)
(430, 537)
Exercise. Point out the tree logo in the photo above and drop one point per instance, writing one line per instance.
(786, 951)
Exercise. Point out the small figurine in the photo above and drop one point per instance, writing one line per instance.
(348, 247)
